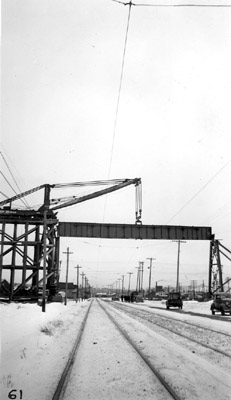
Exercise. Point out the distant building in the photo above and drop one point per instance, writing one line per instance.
(71, 289)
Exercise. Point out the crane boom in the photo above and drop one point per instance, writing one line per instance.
(117, 184)
(20, 195)
(126, 182)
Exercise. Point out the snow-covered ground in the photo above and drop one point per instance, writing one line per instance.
(192, 311)
(35, 346)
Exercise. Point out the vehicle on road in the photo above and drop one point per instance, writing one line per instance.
(137, 297)
(115, 297)
(174, 300)
(221, 303)
(57, 298)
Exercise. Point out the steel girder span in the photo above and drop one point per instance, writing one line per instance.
(155, 232)
(152, 232)
(133, 231)
(24, 237)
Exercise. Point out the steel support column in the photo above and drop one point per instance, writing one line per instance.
(26, 252)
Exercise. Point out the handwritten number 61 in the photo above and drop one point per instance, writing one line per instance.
(12, 395)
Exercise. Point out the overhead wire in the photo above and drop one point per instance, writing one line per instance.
(14, 179)
(199, 191)
(3, 194)
(119, 92)
(116, 113)
(130, 4)
(12, 188)
(173, 5)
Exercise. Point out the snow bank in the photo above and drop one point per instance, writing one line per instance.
(35, 346)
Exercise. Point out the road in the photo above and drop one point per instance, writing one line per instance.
(194, 361)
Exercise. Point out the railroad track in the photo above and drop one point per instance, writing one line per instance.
(161, 390)
(98, 369)
(154, 370)
(193, 313)
(191, 331)
(169, 357)
(63, 380)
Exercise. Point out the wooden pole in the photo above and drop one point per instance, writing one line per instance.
(44, 261)
(150, 276)
(66, 285)
(77, 288)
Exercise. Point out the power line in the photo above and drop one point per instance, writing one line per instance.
(116, 113)
(11, 174)
(174, 5)
(11, 186)
(3, 194)
(120, 86)
(195, 195)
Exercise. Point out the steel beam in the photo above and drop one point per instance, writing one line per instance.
(127, 231)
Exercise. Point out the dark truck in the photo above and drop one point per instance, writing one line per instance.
(174, 300)
(221, 303)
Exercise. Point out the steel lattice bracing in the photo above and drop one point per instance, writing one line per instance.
(29, 239)
(216, 282)
(22, 248)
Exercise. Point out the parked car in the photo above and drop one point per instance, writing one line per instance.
(56, 298)
(114, 297)
(174, 300)
(139, 298)
(221, 303)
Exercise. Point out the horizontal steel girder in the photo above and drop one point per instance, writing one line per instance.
(127, 231)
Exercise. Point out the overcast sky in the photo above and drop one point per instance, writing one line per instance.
(61, 67)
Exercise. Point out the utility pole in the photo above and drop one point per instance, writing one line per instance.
(138, 279)
(150, 275)
(193, 284)
(82, 284)
(60, 264)
(122, 292)
(119, 285)
(44, 261)
(66, 286)
(77, 288)
(178, 263)
(110, 287)
(85, 287)
(142, 275)
(129, 282)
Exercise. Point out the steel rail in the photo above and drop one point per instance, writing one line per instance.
(197, 326)
(172, 393)
(63, 380)
(196, 314)
(185, 322)
(173, 331)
